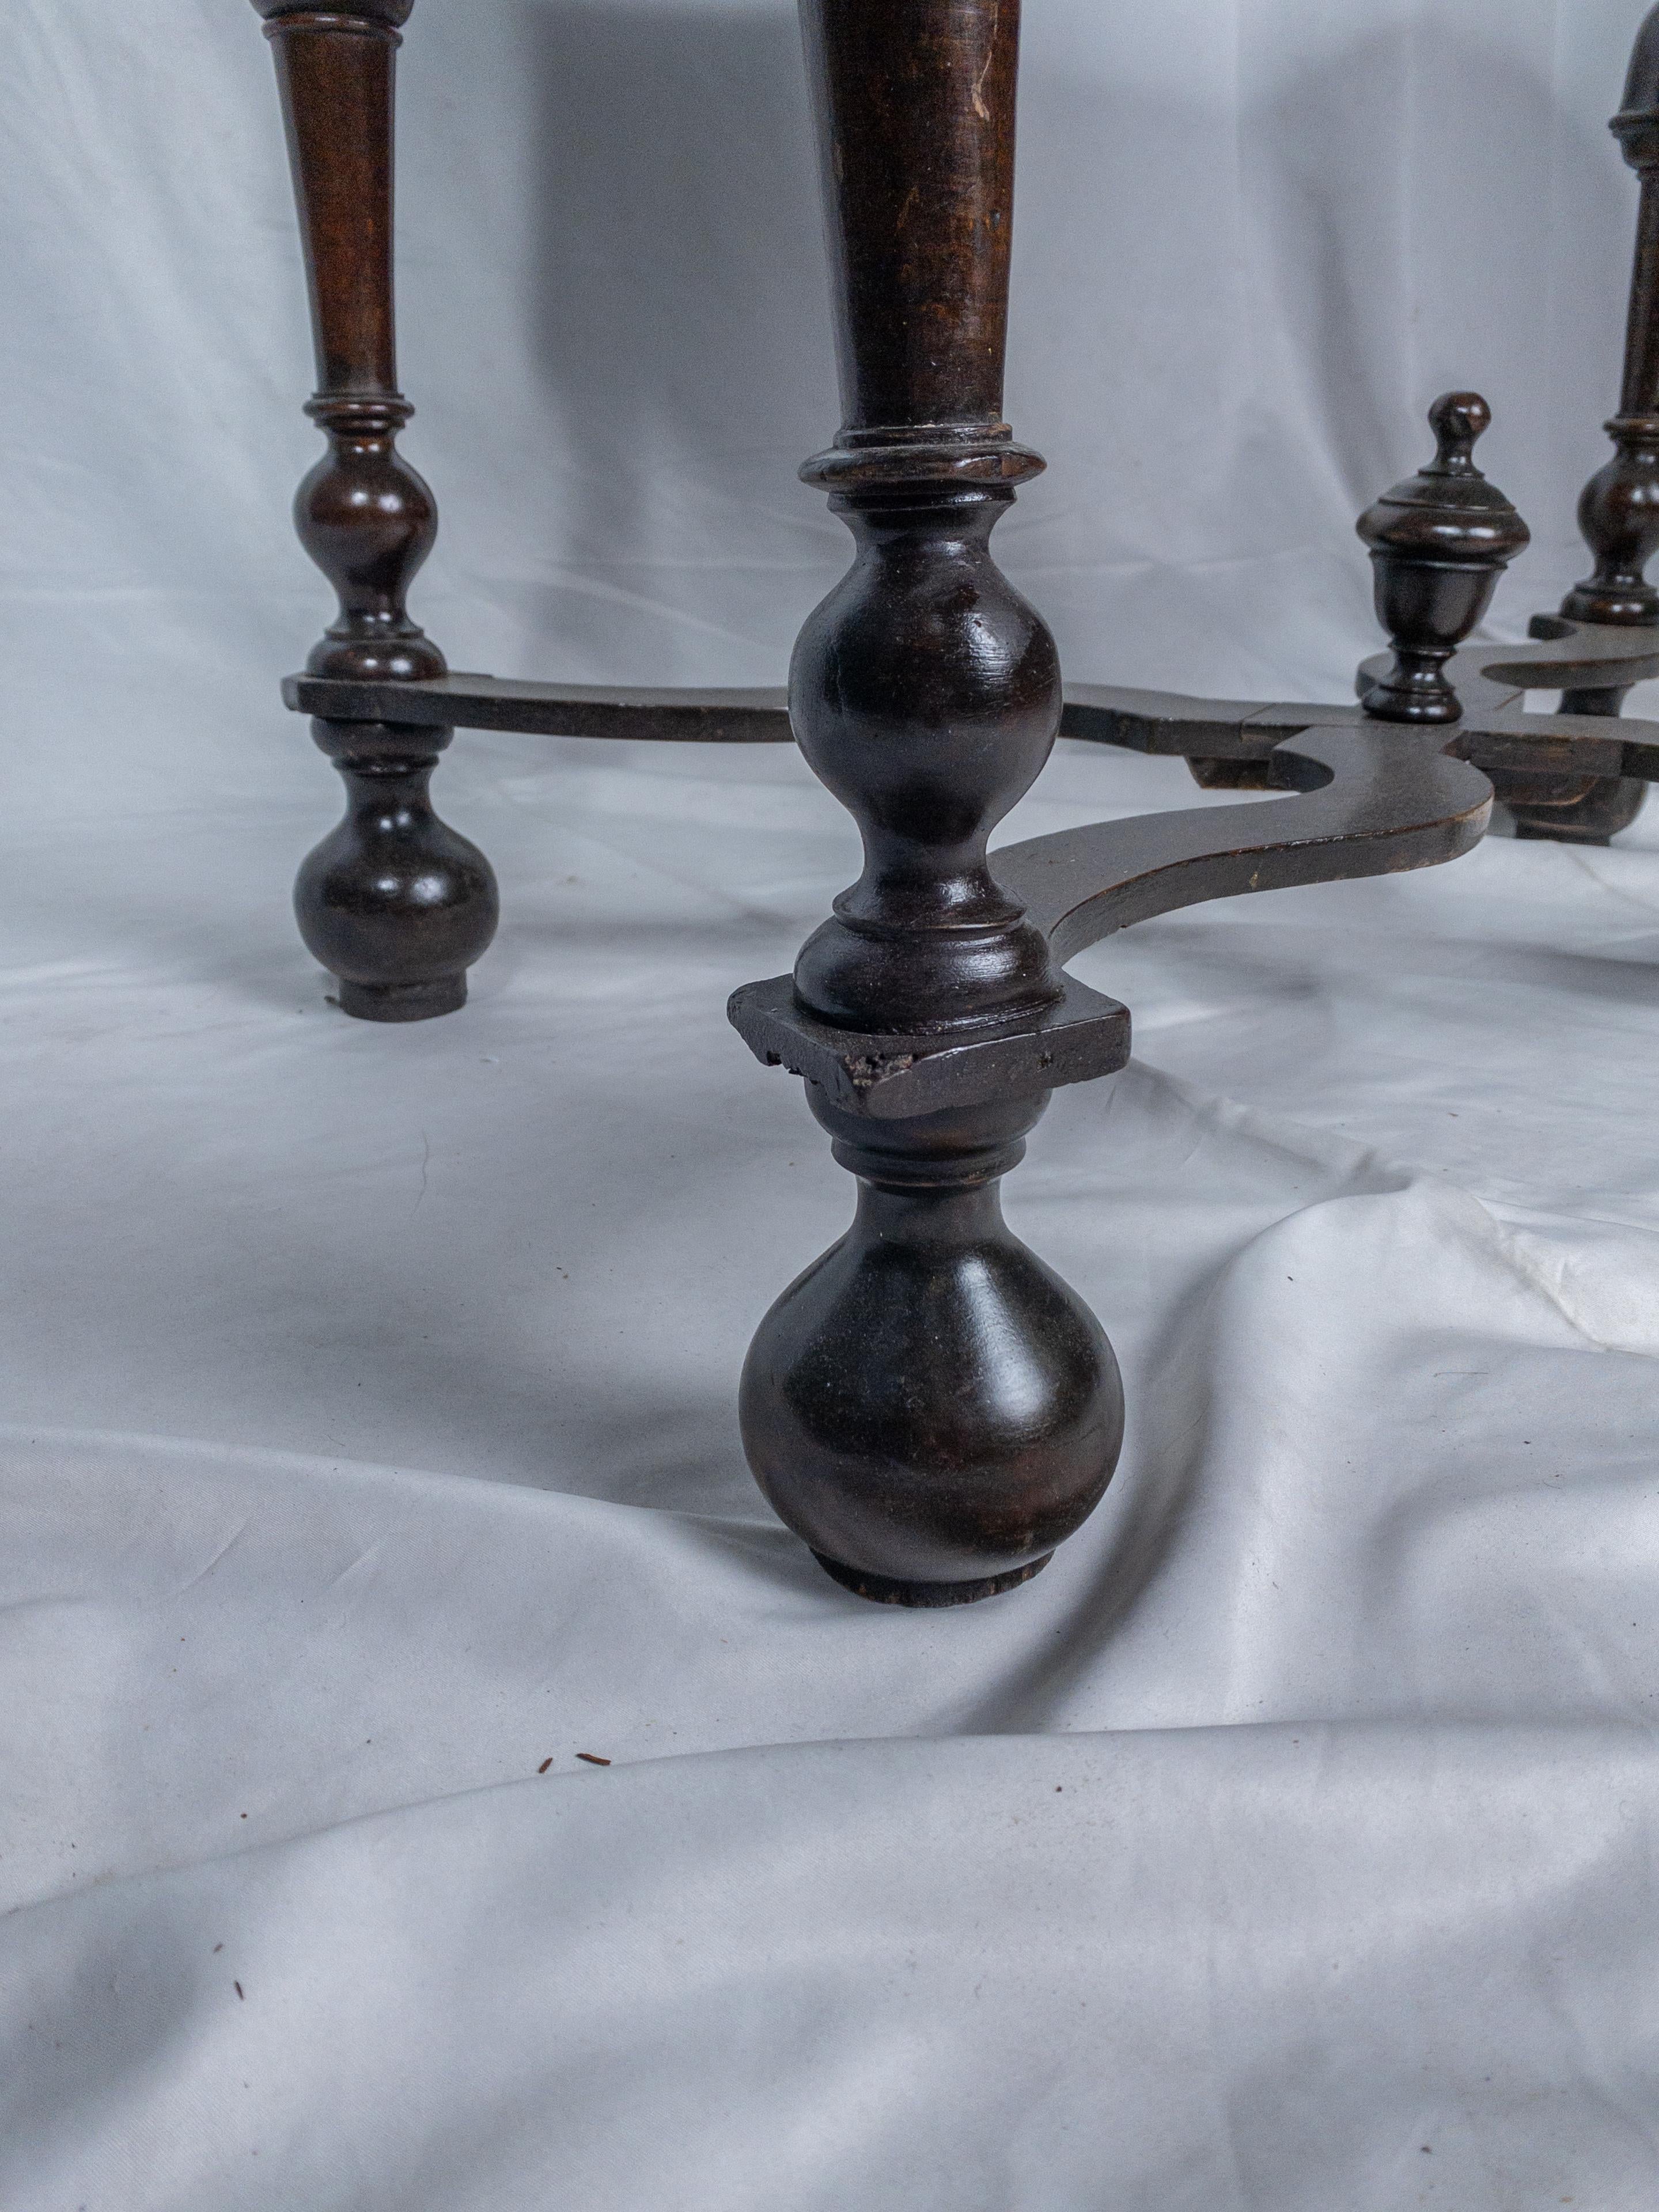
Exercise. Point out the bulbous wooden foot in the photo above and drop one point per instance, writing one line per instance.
(393, 902)
(929, 1406)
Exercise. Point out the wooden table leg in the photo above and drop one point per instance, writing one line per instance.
(928, 1406)
(393, 902)
(1618, 513)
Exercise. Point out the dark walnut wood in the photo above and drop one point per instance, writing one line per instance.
(392, 889)
(929, 1407)
(1618, 513)
(1438, 541)
(1241, 743)
(737, 717)
(1229, 740)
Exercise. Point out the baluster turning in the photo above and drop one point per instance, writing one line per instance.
(928, 1406)
(393, 902)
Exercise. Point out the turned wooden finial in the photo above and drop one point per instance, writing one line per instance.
(1459, 421)
(1439, 541)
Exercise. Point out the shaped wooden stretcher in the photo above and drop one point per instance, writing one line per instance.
(1363, 797)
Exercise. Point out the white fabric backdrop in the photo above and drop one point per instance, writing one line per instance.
(369, 1433)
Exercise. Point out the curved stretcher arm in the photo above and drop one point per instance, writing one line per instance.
(1370, 802)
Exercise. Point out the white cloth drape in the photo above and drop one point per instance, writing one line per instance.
(367, 1426)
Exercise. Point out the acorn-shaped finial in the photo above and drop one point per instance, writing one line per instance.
(1439, 543)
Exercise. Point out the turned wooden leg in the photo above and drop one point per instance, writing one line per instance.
(1618, 513)
(928, 1406)
(394, 903)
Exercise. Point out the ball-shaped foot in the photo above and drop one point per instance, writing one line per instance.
(929, 1406)
(393, 902)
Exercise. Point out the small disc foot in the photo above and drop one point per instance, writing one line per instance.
(404, 1002)
(881, 1591)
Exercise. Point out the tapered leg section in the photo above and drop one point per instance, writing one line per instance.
(387, 901)
(928, 1407)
